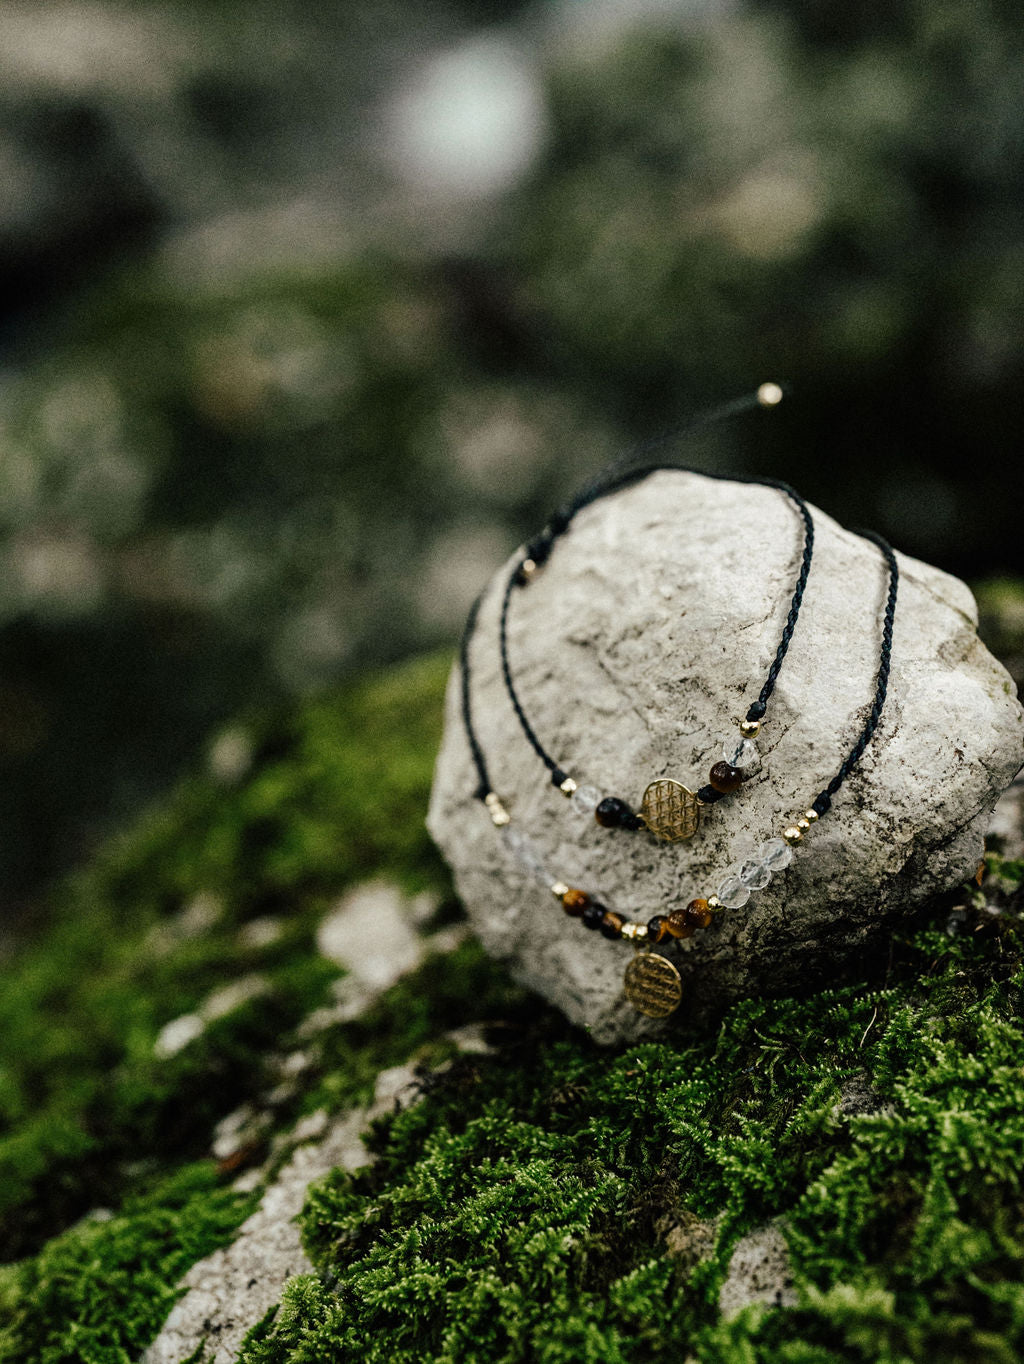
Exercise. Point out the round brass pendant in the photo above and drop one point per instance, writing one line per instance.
(653, 985)
(670, 810)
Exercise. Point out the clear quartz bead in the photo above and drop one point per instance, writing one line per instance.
(525, 853)
(732, 893)
(775, 854)
(585, 800)
(755, 874)
(740, 752)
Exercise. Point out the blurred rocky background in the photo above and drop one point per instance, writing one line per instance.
(308, 313)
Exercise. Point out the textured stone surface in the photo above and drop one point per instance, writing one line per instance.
(759, 1271)
(226, 1294)
(637, 649)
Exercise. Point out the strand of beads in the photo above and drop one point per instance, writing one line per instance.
(739, 758)
(771, 857)
(753, 874)
(739, 761)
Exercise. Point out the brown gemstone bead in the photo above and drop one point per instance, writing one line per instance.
(611, 924)
(679, 924)
(698, 913)
(725, 778)
(574, 902)
(657, 928)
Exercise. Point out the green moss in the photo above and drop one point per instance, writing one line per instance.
(535, 1205)
(550, 1201)
(336, 792)
(100, 1291)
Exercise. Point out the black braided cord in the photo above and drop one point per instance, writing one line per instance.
(479, 761)
(616, 478)
(823, 802)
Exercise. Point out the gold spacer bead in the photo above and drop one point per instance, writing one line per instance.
(641, 931)
(499, 815)
(629, 930)
(714, 902)
(811, 816)
(770, 395)
(559, 889)
(528, 568)
(792, 834)
(567, 787)
(803, 824)
(750, 729)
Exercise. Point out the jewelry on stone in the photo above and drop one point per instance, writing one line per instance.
(668, 809)
(654, 988)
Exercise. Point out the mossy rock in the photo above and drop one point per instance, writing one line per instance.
(828, 1178)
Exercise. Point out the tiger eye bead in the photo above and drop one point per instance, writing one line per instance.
(725, 778)
(679, 925)
(574, 902)
(698, 913)
(611, 925)
(657, 928)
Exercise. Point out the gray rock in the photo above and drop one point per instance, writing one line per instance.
(638, 649)
(759, 1271)
(226, 1294)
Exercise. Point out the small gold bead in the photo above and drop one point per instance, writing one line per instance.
(803, 824)
(811, 816)
(714, 902)
(641, 931)
(792, 834)
(528, 568)
(750, 729)
(629, 930)
(770, 395)
(559, 889)
(500, 817)
(567, 787)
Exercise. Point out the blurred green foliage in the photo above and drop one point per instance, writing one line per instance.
(89, 1106)
(295, 432)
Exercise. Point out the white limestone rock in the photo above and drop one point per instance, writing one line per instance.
(637, 650)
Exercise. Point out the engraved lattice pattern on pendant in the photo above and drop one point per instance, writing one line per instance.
(652, 985)
(670, 810)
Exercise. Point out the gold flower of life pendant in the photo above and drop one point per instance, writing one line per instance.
(670, 810)
(653, 985)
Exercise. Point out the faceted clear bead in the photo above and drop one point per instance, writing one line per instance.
(525, 853)
(776, 854)
(740, 752)
(755, 875)
(732, 893)
(585, 800)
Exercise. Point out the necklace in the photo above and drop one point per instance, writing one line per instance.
(668, 809)
(651, 982)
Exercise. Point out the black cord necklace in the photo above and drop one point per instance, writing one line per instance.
(668, 809)
(652, 983)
